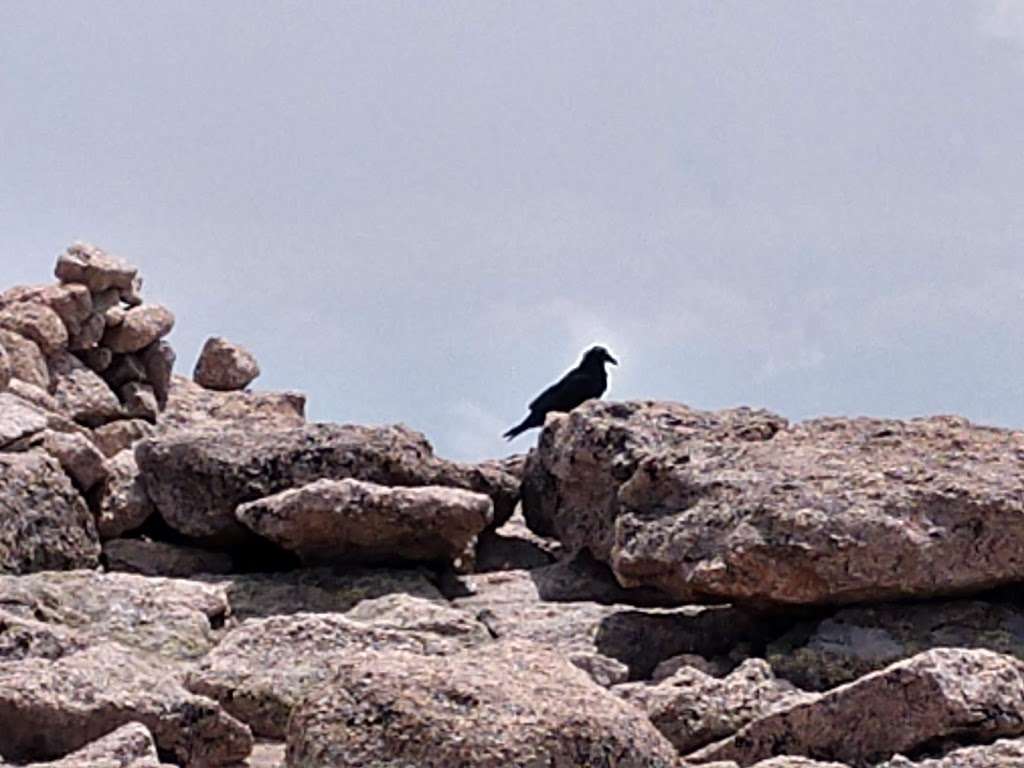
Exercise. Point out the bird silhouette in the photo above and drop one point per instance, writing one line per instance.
(584, 382)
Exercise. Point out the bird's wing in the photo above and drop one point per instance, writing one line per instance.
(564, 395)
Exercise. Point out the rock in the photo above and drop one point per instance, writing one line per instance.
(602, 670)
(738, 506)
(141, 327)
(693, 709)
(105, 300)
(511, 605)
(54, 707)
(490, 707)
(261, 669)
(114, 316)
(30, 393)
(336, 521)
(172, 618)
(72, 303)
(159, 558)
(710, 667)
(941, 693)
(407, 613)
(225, 366)
(5, 368)
(139, 401)
(158, 360)
(80, 393)
(1004, 753)
(267, 754)
(189, 406)
(24, 638)
(38, 323)
(18, 419)
(513, 547)
(97, 360)
(132, 296)
(44, 524)
(197, 478)
(130, 746)
(818, 655)
(123, 369)
(122, 503)
(78, 456)
(97, 270)
(116, 436)
(89, 334)
(25, 359)
(318, 590)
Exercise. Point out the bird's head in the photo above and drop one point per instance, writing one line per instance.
(597, 357)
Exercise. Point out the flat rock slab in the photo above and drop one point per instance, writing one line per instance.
(338, 521)
(141, 326)
(44, 523)
(262, 668)
(51, 708)
(173, 618)
(738, 505)
(197, 479)
(972, 695)
(500, 705)
(819, 655)
(159, 558)
(130, 746)
(85, 264)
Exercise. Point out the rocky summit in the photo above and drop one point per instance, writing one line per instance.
(192, 574)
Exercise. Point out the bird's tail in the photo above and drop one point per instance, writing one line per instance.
(518, 429)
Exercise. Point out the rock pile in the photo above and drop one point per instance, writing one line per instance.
(192, 575)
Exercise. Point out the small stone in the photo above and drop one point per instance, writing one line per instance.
(94, 268)
(225, 366)
(130, 746)
(116, 436)
(158, 360)
(82, 394)
(38, 323)
(141, 327)
(139, 401)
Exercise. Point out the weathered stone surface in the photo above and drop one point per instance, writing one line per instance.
(1004, 753)
(490, 707)
(123, 369)
(174, 618)
(25, 359)
(130, 746)
(114, 316)
(139, 401)
(142, 326)
(159, 558)
(336, 521)
(89, 333)
(190, 406)
(5, 368)
(717, 667)
(94, 268)
(318, 590)
(51, 708)
(30, 393)
(122, 502)
(693, 709)
(225, 366)
(72, 303)
(25, 638)
(159, 361)
(514, 547)
(78, 456)
(407, 613)
(38, 323)
(104, 300)
(822, 654)
(737, 505)
(18, 419)
(510, 603)
(116, 436)
(197, 478)
(80, 393)
(261, 669)
(44, 524)
(946, 692)
(98, 359)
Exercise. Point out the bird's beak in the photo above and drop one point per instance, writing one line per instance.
(612, 360)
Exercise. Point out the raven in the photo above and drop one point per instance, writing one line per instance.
(585, 381)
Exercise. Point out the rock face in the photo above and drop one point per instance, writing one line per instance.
(693, 709)
(738, 505)
(352, 521)
(225, 366)
(503, 705)
(51, 708)
(943, 693)
(197, 479)
(44, 523)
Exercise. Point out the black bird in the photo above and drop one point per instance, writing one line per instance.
(587, 380)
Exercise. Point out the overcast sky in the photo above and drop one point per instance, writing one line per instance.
(424, 212)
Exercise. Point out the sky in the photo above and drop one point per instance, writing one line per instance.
(425, 212)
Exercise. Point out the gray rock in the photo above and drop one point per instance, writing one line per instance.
(225, 366)
(119, 435)
(1004, 753)
(19, 419)
(30, 393)
(94, 268)
(141, 326)
(122, 502)
(139, 401)
(25, 359)
(80, 393)
(38, 323)
(190, 406)
(72, 303)
(78, 456)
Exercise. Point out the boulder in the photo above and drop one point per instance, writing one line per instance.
(78, 456)
(160, 558)
(262, 668)
(44, 523)
(51, 708)
(942, 693)
(190, 406)
(159, 358)
(80, 393)
(25, 359)
(821, 654)
(94, 268)
(225, 366)
(130, 746)
(30, 393)
(198, 478)
(72, 303)
(119, 435)
(19, 419)
(693, 709)
(122, 504)
(335, 521)
(38, 323)
(739, 506)
(89, 334)
(174, 619)
(141, 326)
(493, 706)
